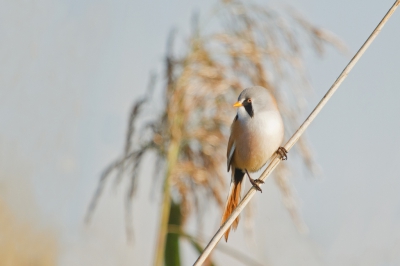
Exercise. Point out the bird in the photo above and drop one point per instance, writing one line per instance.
(256, 134)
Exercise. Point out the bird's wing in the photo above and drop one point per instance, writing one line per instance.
(230, 152)
(231, 147)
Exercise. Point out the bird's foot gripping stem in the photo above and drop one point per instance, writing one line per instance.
(255, 182)
(282, 152)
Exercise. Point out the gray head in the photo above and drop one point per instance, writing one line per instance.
(254, 100)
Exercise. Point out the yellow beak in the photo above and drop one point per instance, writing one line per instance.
(237, 104)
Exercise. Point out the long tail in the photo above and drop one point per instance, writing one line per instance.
(233, 199)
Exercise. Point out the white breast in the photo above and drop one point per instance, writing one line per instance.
(260, 137)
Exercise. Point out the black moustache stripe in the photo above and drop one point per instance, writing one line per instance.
(249, 109)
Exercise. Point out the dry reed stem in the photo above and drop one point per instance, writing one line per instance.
(234, 253)
(275, 159)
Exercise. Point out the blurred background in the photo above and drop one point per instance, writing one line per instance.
(71, 73)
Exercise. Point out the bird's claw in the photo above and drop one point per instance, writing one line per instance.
(255, 183)
(282, 152)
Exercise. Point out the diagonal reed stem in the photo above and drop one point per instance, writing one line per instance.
(275, 160)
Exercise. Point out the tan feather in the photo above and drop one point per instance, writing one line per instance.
(231, 204)
(231, 146)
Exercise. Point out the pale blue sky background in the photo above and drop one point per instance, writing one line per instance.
(71, 69)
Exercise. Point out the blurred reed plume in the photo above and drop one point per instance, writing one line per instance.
(21, 244)
(250, 45)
